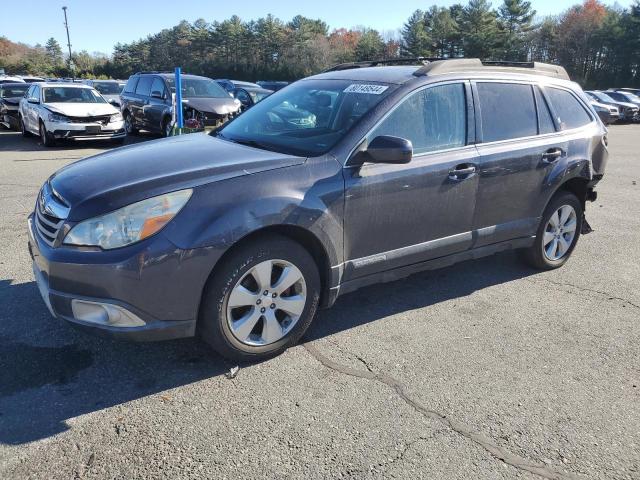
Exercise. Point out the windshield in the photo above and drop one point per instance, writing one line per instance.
(603, 97)
(108, 88)
(198, 87)
(71, 95)
(13, 91)
(307, 118)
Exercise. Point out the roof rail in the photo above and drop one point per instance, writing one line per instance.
(466, 64)
(376, 63)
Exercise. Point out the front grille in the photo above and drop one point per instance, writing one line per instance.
(48, 227)
(103, 119)
(50, 213)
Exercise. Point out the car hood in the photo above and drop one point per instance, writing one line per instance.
(11, 100)
(627, 104)
(110, 180)
(81, 109)
(112, 96)
(220, 106)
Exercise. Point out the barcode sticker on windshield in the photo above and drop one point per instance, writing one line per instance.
(370, 89)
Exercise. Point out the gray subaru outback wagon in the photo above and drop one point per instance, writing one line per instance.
(364, 173)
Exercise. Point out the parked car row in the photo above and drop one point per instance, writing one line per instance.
(616, 105)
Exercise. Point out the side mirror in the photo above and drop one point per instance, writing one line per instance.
(114, 102)
(388, 149)
(33, 100)
(156, 94)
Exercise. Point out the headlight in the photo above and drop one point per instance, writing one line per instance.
(129, 224)
(116, 117)
(55, 117)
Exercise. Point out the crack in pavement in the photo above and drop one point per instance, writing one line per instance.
(583, 289)
(460, 428)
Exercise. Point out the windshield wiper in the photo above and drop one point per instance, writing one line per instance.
(246, 142)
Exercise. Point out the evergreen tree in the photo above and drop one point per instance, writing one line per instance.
(53, 52)
(370, 46)
(415, 40)
(479, 30)
(515, 17)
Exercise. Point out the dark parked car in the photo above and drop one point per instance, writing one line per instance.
(146, 102)
(10, 95)
(272, 85)
(241, 234)
(624, 97)
(635, 91)
(249, 96)
(231, 85)
(628, 111)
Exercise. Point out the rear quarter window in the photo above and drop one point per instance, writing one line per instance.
(507, 111)
(571, 113)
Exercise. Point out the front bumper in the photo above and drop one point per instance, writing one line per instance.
(150, 280)
(9, 119)
(86, 131)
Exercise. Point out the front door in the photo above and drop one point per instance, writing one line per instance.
(396, 215)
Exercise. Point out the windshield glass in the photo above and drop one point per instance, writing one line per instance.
(603, 97)
(198, 87)
(71, 95)
(13, 91)
(257, 96)
(108, 88)
(308, 118)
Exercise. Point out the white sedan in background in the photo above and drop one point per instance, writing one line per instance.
(57, 111)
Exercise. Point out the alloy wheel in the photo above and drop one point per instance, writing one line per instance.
(266, 303)
(559, 233)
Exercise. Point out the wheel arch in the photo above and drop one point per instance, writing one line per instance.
(304, 237)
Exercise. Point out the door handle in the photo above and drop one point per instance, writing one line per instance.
(552, 155)
(461, 172)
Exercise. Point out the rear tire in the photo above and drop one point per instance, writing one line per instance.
(242, 322)
(45, 137)
(557, 234)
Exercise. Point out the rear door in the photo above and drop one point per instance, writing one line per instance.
(396, 215)
(141, 100)
(519, 146)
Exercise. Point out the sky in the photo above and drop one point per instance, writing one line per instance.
(98, 26)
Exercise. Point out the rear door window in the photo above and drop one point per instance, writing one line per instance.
(144, 86)
(571, 113)
(507, 111)
(130, 86)
(433, 119)
(157, 86)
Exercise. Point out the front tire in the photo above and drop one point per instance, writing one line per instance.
(557, 234)
(166, 127)
(129, 124)
(260, 300)
(25, 133)
(45, 137)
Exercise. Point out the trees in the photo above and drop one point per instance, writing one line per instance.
(599, 45)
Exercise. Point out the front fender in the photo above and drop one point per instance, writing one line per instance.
(220, 214)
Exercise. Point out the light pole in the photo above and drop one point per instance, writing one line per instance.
(66, 25)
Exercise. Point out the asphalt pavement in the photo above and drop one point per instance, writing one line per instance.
(485, 370)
